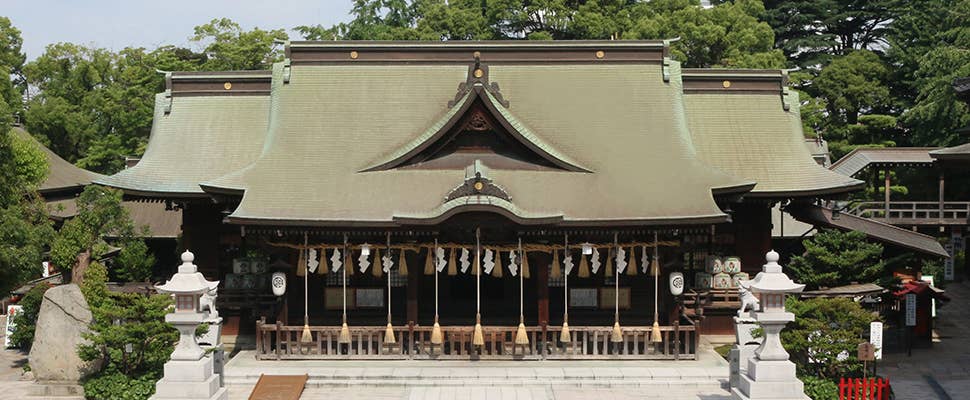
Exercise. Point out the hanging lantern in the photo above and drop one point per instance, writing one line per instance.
(278, 281)
(676, 280)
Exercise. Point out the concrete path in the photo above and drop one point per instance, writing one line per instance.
(11, 367)
(943, 371)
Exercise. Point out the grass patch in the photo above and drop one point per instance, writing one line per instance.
(723, 350)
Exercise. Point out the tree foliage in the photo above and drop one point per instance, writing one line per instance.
(82, 239)
(823, 339)
(26, 320)
(834, 258)
(120, 320)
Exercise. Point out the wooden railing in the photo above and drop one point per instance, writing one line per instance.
(282, 342)
(916, 212)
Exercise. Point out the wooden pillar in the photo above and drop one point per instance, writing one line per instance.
(752, 234)
(941, 192)
(886, 195)
(414, 279)
(539, 263)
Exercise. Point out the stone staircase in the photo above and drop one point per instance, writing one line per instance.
(711, 375)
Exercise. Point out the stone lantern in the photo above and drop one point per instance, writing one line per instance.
(770, 375)
(189, 374)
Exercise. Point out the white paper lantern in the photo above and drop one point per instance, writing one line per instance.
(676, 283)
(278, 281)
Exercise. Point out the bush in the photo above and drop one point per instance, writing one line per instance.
(26, 320)
(118, 386)
(820, 389)
(825, 336)
(122, 319)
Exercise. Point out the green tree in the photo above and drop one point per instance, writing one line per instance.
(26, 320)
(82, 238)
(228, 47)
(122, 320)
(823, 339)
(12, 60)
(852, 85)
(813, 32)
(834, 258)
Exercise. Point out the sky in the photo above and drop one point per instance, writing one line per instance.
(116, 24)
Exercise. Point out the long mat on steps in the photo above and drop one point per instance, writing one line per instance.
(279, 387)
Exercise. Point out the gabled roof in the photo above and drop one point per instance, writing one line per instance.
(879, 231)
(63, 178)
(747, 123)
(614, 110)
(960, 152)
(860, 158)
(206, 125)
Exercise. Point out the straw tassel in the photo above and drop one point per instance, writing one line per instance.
(654, 266)
(429, 263)
(564, 335)
(583, 267)
(617, 335)
(556, 271)
(609, 264)
(344, 337)
(301, 264)
(452, 267)
(323, 269)
(306, 337)
(655, 336)
(478, 339)
(348, 262)
(378, 268)
(525, 265)
(631, 266)
(521, 336)
(497, 271)
(436, 336)
(389, 334)
(402, 263)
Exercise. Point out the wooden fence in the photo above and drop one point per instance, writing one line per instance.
(282, 342)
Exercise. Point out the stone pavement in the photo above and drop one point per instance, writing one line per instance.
(943, 371)
(704, 379)
(11, 367)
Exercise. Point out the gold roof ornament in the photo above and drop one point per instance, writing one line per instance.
(227, 85)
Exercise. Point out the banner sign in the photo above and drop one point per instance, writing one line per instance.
(875, 337)
(911, 309)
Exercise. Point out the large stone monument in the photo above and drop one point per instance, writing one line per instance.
(769, 374)
(189, 374)
(63, 320)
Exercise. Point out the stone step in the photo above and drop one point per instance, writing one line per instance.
(658, 383)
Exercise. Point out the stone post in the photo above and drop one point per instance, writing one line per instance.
(770, 375)
(189, 374)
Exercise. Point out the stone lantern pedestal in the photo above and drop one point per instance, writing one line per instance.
(770, 375)
(189, 374)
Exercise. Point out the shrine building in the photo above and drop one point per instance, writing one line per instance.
(482, 186)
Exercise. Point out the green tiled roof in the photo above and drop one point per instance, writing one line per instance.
(203, 137)
(621, 121)
(752, 136)
(62, 176)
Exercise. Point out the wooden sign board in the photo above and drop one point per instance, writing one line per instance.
(333, 298)
(582, 297)
(867, 352)
(911, 309)
(875, 337)
(608, 295)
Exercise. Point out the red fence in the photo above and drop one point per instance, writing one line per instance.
(858, 389)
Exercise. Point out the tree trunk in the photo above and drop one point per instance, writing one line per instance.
(83, 261)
